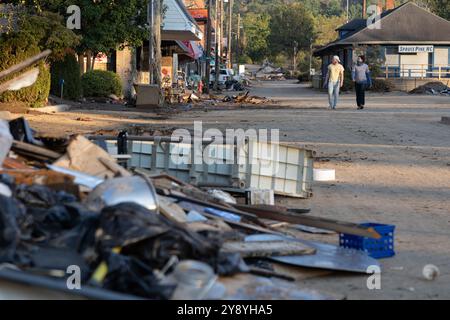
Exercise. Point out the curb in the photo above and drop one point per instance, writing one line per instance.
(54, 109)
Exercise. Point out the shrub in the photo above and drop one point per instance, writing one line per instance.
(69, 70)
(303, 77)
(382, 85)
(245, 59)
(12, 51)
(99, 83)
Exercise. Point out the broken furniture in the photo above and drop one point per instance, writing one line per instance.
(147, 95)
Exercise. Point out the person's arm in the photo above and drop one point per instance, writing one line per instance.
(341, 77)
(326, 77)
(353, 73)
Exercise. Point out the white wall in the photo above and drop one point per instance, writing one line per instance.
(440, 56)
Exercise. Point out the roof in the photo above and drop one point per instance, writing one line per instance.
(406, 24)
(352, 25)
(185, 10)
(179, 24)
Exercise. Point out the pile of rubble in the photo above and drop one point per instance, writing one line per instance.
(434, 88)
(137, 234)
(269, 72)
(243, 98)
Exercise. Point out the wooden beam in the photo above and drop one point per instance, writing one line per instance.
(266, 212)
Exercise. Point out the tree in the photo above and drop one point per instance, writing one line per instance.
(325, 28)
(331, 8)
(257, 30)
(291, 26)
(105, 25)
(44, 29)
(441, 8)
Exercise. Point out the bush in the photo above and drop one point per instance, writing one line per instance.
(303, 77)
(381, 85)
(69, 70)
(99, 83)
(245, 59)
(12, 51)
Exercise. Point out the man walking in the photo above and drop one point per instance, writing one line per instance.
(334, 80)
(361, 77)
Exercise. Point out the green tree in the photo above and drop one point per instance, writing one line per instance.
(331, 8)
(441, 8)
(291, 26)
(257, 30)
(45, 29)
(32, 32)
(325, 28)
(105, 25)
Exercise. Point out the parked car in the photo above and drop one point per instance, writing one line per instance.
(224, 76)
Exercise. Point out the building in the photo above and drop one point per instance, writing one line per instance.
(413, 45)
(181, 49)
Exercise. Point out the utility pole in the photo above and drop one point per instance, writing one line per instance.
(348, 17)
(238, 37)
(295, 55)
(230, 33)
(310, 57)
(151, 51)
(218, 42)
(208, 45)
(157, 44)
(364, 9)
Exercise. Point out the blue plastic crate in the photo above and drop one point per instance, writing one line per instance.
(376, 248)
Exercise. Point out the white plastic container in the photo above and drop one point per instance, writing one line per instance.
(324, 175)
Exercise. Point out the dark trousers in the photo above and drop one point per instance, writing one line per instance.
(360, 89)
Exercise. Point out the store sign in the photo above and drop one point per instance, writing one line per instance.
(415, 49)
(199, 14)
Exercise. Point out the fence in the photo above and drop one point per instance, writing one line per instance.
(420, 71)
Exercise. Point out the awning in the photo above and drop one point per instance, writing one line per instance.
(193, 49)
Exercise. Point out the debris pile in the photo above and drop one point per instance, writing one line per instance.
(134, 233)
(269, 72)
(246, 98)
(434, 88)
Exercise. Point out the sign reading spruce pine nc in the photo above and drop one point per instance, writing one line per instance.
(415, 49)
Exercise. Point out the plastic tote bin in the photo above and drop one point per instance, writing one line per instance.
(285, 169)
(376, 248)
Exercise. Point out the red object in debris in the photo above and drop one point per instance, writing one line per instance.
(200, 86)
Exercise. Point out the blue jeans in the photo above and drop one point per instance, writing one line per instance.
(333, 93)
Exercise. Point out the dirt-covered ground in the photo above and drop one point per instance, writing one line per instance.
(392, 163)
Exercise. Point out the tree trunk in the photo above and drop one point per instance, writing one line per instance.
(81, 62)
(157, 47)
(93, 60)
(88, 61)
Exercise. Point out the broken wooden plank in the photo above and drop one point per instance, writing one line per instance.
(267, 248)
(323, 223)
(34, 152)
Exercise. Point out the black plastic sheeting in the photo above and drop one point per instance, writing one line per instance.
(45, 230)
